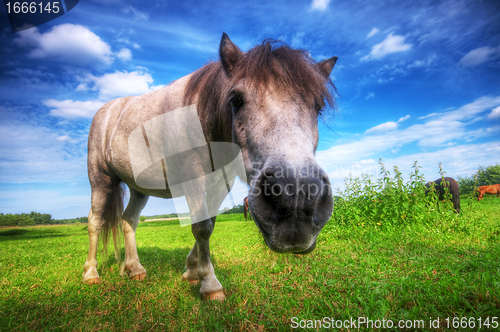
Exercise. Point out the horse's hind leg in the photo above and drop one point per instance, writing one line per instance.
(132, 266)
(99, 198)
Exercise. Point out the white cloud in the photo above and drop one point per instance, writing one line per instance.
(109, 86)
(298, 40)
(157, 87)
(73, 109)
(63, 138)
(387, 126)
(370, 95)
(424, 63)
(391, 44)
(428, 116)
(69, 43)
(124, 54)
(403, 118)
(495, 113)
(384, 127)
(82, 87)
(137, 14)
(35, 154)
(442, 133)
(373, 32)
(121, 84)
(320, 4)
(478, 56)
(128, 42)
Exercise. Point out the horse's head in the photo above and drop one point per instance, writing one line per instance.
(275, 95)
(478, 194)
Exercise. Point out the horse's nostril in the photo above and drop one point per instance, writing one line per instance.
(270, 184)
(267, 173)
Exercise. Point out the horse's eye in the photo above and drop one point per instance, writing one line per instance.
(236, 102)
(318, 107)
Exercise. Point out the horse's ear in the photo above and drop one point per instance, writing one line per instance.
(327, 65)
(229, 53)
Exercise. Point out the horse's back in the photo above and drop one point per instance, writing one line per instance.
(493, 189)
(113, 123)
(450, 183)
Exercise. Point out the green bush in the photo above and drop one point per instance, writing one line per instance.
(388, 202)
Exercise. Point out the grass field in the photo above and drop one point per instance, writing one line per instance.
(450, 269)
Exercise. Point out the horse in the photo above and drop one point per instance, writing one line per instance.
(441, 188)
(267, 102)
(246, 207)
(493, 189)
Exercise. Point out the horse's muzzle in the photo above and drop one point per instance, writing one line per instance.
(289, 209)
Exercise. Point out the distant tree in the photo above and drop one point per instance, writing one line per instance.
(489, 175)
(234, 209)
(466, 185)
(40, 218)
(35, 218)
(23, 219)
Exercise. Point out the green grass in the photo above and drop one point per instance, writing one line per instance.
(450, 268)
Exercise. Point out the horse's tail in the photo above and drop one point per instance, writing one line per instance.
(113, 220)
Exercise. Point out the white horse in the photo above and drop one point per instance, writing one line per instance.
(266, 102)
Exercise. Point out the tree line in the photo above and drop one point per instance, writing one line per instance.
(234, 209)
(35, 218)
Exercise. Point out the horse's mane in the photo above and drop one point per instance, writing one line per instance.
(271, 64)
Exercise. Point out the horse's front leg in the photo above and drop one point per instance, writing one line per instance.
(199, 267)
(191, 275)
(211, 288)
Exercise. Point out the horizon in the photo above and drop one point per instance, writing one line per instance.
(416, 81)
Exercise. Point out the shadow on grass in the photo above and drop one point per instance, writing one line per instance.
(158, 261)
(13, 232)
(31, 233)
(173, 259)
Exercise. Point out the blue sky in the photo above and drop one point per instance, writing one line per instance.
(418, 80)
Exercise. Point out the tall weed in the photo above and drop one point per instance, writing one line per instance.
(388, 201)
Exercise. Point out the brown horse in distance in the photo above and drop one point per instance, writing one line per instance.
(493, 189)
(245, 207)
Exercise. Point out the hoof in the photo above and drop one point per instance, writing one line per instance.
(93, 281)
(191, 281)
(139, 276)
(219, 295)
